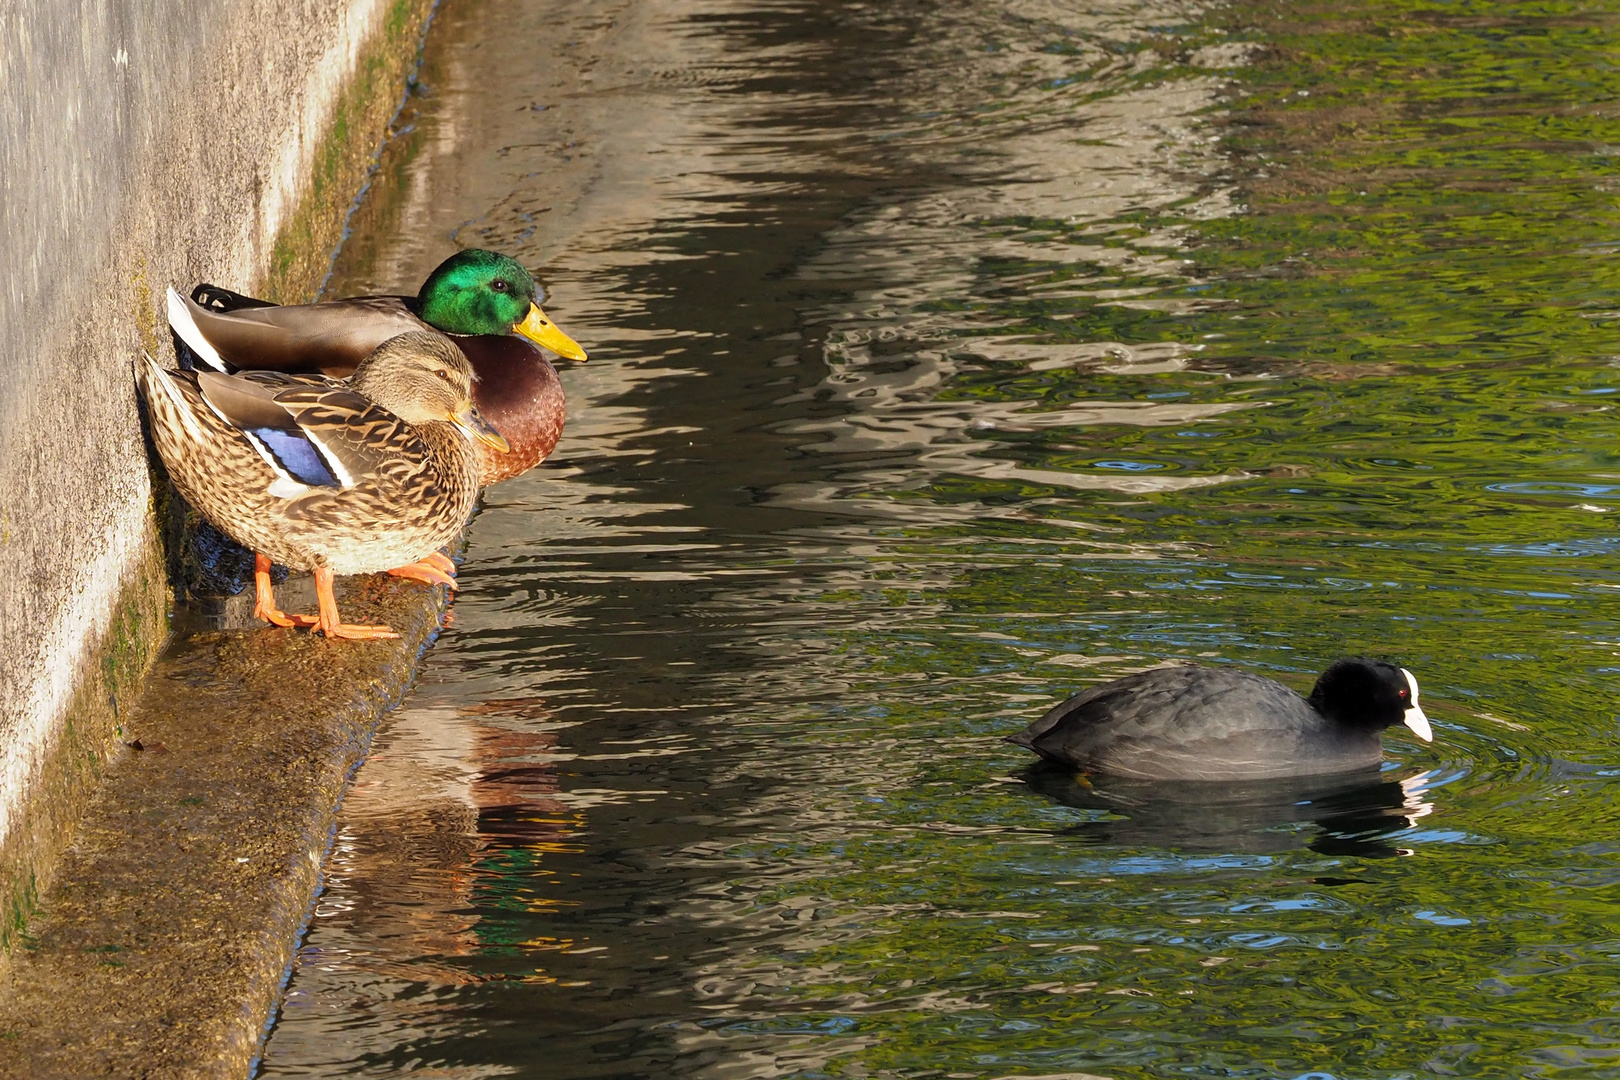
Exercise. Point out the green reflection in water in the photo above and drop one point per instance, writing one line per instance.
(1368, 413)
(1416, 310)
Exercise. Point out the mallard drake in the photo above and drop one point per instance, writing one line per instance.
(316, 474)
(487, 302)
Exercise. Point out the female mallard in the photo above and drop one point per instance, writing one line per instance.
(321, 475)
(485, 300)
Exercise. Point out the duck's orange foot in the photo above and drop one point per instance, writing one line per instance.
(354, 631)
(264, 600)
(331, 624)
(436, 569)
(277, 617)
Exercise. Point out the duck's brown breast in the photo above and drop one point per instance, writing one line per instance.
(520, 395)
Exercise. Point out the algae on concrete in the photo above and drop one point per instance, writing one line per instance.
(146, 145)
(159, 145)
(162, 948)
(307, 243)
(68, 777)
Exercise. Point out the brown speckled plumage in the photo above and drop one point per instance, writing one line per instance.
(410, 485)
(517, 388)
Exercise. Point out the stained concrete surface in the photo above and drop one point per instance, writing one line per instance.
(231, 152)
(144, 144)
(162, 950)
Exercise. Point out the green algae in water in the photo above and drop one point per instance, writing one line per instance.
(1369, 408)
(1422, 283)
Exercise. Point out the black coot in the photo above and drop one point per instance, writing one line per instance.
(1198, 723)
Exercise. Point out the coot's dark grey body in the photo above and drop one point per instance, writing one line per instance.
(1201, 723)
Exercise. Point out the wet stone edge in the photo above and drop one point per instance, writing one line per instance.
(162, 950)
(110, 677)
(134, 942)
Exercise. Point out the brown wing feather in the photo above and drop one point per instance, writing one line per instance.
(366, 439)
(331, 338)
(246, 403)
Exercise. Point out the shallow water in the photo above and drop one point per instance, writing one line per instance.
(948, 357)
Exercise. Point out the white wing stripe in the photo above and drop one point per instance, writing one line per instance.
(332, 462)
(181, 322)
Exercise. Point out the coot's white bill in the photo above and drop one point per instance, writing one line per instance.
(1414, 717)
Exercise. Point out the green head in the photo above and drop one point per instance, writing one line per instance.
(477, 292)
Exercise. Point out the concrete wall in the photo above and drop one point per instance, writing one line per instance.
(142, 143)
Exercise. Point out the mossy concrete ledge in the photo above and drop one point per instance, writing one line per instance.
(147, 144)
(161, 950)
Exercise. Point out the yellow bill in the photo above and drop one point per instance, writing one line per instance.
(472, 422)
(542, 331)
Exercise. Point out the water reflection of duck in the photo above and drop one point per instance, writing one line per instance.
(321, 475)
(1356, 814)
(1198, 723)
(451, 821)
(484, 300)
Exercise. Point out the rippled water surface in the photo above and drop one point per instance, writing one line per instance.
(947, 357)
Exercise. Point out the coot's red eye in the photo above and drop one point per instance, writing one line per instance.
(1403, 693)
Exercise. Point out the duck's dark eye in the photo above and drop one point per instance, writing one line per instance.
(445, 375)
(500, 285)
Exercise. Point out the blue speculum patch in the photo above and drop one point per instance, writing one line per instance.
(298, 456)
